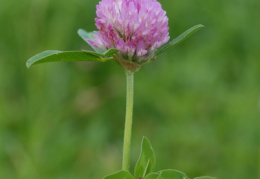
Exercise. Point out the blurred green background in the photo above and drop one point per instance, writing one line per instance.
(199, 103)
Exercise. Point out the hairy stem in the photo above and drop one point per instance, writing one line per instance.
(128, 119)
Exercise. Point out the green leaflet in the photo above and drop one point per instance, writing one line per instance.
(110, 52)
(59, 56)
(177, 40)
(88, 35)
(107, 53)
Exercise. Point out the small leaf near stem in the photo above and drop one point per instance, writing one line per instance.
(120, 175)
(167, 174)
(146, 162)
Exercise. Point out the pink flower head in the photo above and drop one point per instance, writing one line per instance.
(135, 27)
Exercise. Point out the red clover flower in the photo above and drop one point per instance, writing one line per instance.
(135, 27)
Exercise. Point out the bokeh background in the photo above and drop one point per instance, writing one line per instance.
(199, 103)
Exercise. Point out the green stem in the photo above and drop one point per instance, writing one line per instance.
(128, 119)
